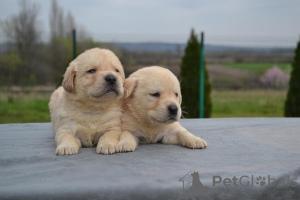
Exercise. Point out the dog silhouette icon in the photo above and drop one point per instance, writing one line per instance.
(197, 187)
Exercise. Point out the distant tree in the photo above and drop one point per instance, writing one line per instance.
(9, 63)
(56, 20)
(292, 103)
(60, 46)
(190, 73)
(82, 33)
(274, 78)
(23, 31)
(69, 25)
(26, 32)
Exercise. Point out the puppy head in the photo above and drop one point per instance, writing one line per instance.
(153, 93)
(96, 74)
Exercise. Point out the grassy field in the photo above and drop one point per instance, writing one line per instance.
(24, 111)
(253, 103)
(23, 108)
(260, 67)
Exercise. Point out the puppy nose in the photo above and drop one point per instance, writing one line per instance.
(111, 79)
(173, 109)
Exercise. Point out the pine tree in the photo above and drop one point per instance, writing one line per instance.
(189, 72)
(292, 103)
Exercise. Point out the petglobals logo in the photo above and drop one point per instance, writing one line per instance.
(246, 181)
(192, 185)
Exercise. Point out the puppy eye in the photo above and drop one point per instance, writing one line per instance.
(91, 71)
(176, 94)
(117, 70)
(156, 94)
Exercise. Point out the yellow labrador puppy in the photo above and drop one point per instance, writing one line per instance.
(151, 106)
(86, 110)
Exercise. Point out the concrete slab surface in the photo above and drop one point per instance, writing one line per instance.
(246, 158)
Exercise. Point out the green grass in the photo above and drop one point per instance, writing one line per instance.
(23, 111)
(253, 103)
(24, 107)
(260, 67)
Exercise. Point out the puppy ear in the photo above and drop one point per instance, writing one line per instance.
(69, 78)
(129, 85)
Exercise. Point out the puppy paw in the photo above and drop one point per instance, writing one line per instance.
(125, 146)
(65, 149)
(195, 143)
(106, 148)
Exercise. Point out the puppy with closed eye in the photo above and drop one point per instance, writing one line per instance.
(151, 110)
(86, 110)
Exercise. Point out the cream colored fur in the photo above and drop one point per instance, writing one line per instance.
(146, 118)
(86, 110)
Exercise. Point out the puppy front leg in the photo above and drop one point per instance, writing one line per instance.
(180, 136)
(67, 144)
(128, 142)
(108, 142)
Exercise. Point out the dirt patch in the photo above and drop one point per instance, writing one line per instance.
(230, 78)
(217, 70)
(221, 77)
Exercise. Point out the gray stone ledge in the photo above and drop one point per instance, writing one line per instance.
(236, 147)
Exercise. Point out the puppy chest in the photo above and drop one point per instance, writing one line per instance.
(148, 137)
(91, 126)
(90, 132)
(146, 140)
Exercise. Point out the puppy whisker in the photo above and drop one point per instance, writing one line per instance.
(183, 112)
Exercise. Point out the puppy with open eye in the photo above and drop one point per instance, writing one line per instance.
(86, 110)
(151, 110)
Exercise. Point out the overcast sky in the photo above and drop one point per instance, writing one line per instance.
(160, 19)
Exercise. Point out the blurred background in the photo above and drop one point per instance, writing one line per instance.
(249, 48)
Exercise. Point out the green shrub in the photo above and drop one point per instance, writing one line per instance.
(292, 103)
(190, 73)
